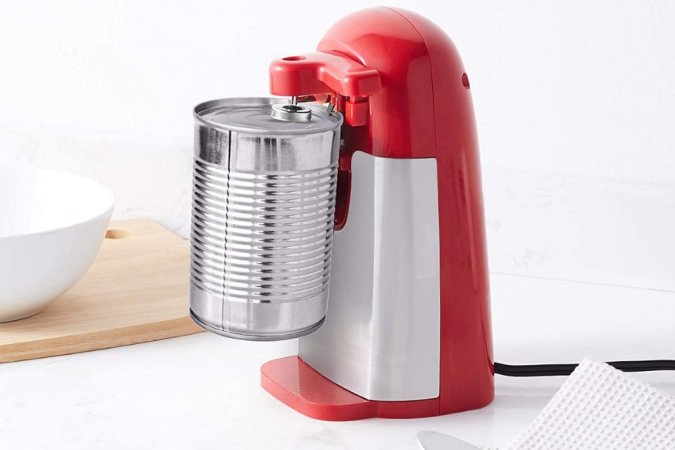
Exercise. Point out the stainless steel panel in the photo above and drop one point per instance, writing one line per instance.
(381, 338)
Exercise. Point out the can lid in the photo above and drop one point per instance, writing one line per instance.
(254, 115)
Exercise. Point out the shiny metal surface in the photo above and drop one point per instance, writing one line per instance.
(262, 219)
(253, 115)
(381, 339)
(291, 113)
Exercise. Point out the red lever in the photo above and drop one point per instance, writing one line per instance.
(322, 73)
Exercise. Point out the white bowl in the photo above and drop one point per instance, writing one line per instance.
(51, 227)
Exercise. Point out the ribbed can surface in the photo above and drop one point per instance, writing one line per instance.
(262, 219)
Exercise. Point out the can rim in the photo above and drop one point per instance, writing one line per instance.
(317, 111)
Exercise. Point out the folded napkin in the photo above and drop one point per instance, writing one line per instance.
(600, 407)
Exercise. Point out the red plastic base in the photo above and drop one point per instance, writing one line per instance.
(298, 385)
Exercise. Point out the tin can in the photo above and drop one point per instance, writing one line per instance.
(264, 183)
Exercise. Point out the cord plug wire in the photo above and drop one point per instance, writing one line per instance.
(552, 370)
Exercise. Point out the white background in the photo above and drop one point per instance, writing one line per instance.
(575, 105)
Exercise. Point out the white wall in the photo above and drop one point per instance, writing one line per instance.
(575, 104)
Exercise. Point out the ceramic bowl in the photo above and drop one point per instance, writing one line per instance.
(51, 227)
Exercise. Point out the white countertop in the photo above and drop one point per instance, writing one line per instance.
(202, 391)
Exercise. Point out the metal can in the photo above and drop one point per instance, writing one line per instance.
(263, 208)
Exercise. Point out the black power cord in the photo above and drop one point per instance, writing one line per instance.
(550, 370)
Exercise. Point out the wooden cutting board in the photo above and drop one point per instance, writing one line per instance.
(136, 291)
